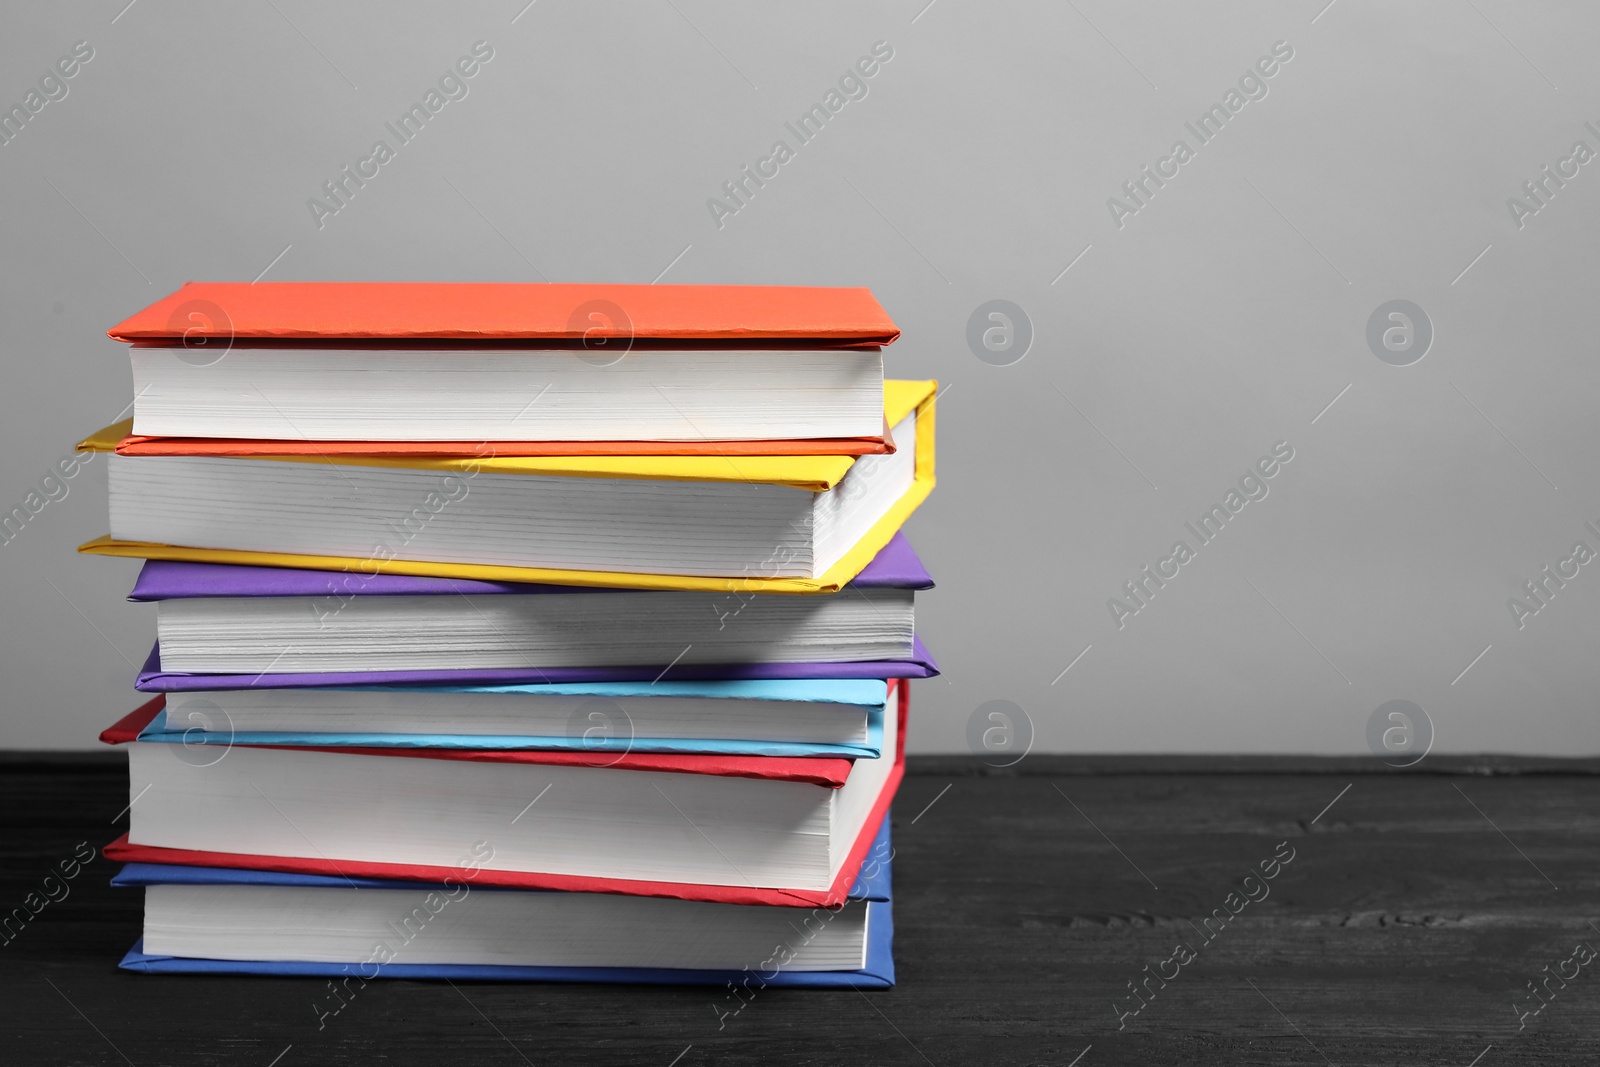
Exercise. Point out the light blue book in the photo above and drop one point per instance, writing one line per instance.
(790, 717)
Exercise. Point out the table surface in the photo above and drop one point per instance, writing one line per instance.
(1414, 912)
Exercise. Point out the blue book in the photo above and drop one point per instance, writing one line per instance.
(288, 908)
(787, 717)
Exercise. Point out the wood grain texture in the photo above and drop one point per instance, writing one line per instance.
(1403, 931)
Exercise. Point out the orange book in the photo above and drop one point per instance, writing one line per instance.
(134, 445)
(441, 369)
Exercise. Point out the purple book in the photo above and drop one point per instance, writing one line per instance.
(897, 566)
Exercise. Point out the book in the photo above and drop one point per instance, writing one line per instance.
(153, 679)
(229, 619)
(833, 717)
(735, 829)
(332, 361)
(797, 524)
(877, 971)
(230, 921)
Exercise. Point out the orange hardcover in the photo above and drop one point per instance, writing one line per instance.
(509, 311)
(132, 445)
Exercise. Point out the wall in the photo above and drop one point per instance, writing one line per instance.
(1175, 340)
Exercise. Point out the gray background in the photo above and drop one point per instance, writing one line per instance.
(1223, 318)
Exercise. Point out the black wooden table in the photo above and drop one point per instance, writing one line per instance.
(1406, 916)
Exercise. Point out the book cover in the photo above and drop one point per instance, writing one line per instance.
(478, 311)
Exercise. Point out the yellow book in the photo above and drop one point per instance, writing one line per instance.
(327, 508)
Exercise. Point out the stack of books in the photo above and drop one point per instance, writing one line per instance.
(553, 632)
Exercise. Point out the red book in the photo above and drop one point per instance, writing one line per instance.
(343, 811)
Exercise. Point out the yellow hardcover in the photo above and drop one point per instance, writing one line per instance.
(814, 473)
